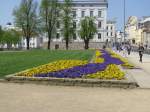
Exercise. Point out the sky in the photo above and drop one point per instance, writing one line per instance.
(137, 8)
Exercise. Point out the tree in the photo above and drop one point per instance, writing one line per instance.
(11, 37)
(26, 19)
(67, 22)
(87, 30)
(1, 34)
(49, 14)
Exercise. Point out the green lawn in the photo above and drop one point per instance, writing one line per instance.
(12, 62)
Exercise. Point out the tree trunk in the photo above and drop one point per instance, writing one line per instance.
(9, 46)
(49, 41)
(86, 44)
(67, 44)
(28, 43)
(49, 44)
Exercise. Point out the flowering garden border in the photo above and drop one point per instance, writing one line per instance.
(124, 83)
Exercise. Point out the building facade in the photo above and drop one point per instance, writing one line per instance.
(133, 31)
(138, 30)
(111, 31)
(145, 27)
(91, 8)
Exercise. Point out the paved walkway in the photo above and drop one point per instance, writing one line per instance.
(142, 76)
(39, 98)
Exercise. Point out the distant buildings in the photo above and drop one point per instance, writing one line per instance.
(138, 30)
(133, 31)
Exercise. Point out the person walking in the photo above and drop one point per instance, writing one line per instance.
(141, 50)
(129, 49)
(124, 50)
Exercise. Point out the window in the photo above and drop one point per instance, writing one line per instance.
(57, 36)
(107, 33)
(111, 33)
(99, 35)
(74, 24)
(74, 14)
(111, 27)
(107, 27)
(91, 13)
(99, 24)
(74, 36)
(58, 25)
(99, 13)
(83, 14)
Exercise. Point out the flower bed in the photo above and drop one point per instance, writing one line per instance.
(105, 66)
(111, 72)
(98, 58)
(126, 63)
(52, 67)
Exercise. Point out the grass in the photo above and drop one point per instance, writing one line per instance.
(12, 62)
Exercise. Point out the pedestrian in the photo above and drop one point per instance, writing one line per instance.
(124, 50)
(129, 49)
(141, 50)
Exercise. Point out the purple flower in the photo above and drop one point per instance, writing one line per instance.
(79, 71)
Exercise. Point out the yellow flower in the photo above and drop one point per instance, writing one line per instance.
(111, 72)
(98, 58)
(51, 67)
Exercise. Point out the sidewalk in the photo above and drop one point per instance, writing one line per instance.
(141, 76)
(40, 98)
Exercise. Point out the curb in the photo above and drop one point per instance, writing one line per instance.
(73, 82)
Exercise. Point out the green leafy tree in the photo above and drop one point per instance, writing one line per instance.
(67, 22)
(26, 19)
(49, 16)
(87, 30)
(11, 37)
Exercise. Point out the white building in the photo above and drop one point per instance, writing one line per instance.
(93, 8)
(111, 31)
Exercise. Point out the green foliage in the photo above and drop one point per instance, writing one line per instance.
(19, 61)
(87, 30)
(49, 16)
(67, 21)
(10, 37)
(26, 18)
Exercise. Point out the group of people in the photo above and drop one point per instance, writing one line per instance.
(126, 48)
